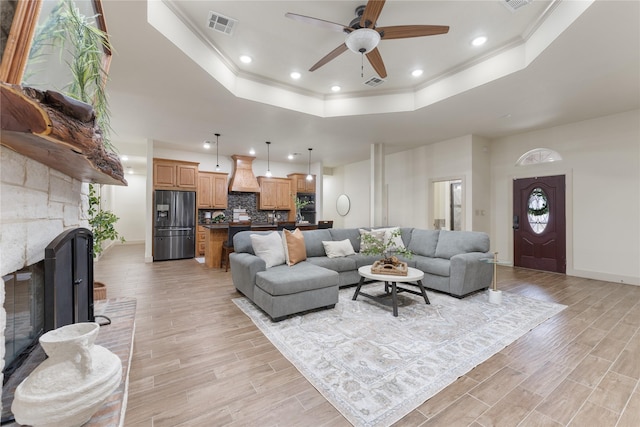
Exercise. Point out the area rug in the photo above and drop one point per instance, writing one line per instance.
(376, 368)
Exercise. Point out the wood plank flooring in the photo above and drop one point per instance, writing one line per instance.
(199, 361)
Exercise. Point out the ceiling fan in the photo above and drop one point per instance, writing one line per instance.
(363, 36)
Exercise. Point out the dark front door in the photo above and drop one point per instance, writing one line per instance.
(539, 236)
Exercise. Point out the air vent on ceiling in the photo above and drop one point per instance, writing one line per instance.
(221, 23)
(512, 5)
(374, 81)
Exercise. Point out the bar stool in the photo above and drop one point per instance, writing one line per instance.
(227, 247)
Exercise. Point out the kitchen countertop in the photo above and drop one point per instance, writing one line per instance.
(254, 226)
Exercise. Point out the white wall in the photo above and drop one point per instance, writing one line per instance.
(601, 160)
(129, 205)
(602, 168)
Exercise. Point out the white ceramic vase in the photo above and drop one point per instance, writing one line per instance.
(72, 383)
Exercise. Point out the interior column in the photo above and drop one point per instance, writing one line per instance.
(377, 179)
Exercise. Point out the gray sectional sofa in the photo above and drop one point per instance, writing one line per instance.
(449, 259)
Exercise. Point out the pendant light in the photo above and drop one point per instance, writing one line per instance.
(268, 174)
(217, 151)
(309, 177)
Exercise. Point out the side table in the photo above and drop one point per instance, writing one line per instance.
(495, 295)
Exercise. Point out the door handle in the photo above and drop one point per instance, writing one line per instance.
(516, 222)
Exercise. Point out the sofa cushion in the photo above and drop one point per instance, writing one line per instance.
(269, 248)
(313, 241)
(353, 234)
(362, 259)
(423, 242)
(437, 266)
(294, 249)
(340, 248)
(452, 243)
(302, 277)
(335, 264)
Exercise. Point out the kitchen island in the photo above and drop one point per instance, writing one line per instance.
(217, 234)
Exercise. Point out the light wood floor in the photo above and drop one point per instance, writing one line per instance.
(198, 361)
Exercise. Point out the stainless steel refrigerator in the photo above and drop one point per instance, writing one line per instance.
(174, 214)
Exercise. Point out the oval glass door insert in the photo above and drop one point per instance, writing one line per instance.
(538, 210)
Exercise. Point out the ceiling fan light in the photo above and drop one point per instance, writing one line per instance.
(363, 40)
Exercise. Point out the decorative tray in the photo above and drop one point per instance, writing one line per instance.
(397, 268)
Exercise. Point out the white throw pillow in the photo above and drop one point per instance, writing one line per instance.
(338, 248)
(397, 240)
(269, 248)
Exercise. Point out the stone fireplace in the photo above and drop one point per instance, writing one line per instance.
(37, 204)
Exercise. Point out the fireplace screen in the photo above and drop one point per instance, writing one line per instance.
(24, 304)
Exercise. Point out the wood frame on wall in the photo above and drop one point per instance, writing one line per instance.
(23, 26)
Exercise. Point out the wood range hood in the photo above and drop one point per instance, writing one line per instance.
(243, 179)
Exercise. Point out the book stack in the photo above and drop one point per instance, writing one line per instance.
(240, 215)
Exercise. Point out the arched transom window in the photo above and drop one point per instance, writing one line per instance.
(538, 155)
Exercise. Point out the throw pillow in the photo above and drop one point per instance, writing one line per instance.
(269, 248)
(337, 249)
(396, 241)
(378, 235)
(294, 248)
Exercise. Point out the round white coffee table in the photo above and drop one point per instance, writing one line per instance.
(391, 281)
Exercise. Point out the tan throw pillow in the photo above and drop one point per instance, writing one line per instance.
(294, 249)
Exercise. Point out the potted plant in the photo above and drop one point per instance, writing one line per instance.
(385, 246)
(299, 205)
(102, 222)
(81, 45)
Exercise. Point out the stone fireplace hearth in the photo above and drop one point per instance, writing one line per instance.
(38, 203)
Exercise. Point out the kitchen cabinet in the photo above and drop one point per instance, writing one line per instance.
(174, 175)
(300, 183)
(212, 190)
(275, 194)
(201, 237)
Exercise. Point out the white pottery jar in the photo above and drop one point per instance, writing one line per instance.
(72, 383)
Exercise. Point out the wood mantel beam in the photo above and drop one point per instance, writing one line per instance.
(59, 133)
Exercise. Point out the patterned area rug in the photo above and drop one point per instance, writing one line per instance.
(376, 368)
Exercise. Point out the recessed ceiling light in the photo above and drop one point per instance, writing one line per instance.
(124, 158)
(206, 144)
(290, 157)
(252, 151)
(479, 41)
(246, 59)
(416, 73)
(130, 171)
(336, 88)
(295, 75)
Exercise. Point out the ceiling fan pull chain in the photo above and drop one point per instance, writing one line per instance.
(361, 65)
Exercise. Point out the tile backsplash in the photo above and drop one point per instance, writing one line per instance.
(248, 201)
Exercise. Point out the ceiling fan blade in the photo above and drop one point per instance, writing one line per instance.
(319, 23)
(371, 13)
(375, 59)
(330, 56)
(408, 31)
